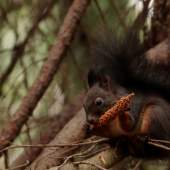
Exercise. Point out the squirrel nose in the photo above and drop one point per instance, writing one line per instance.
(92, 118)
(90, 121)
(89, 118)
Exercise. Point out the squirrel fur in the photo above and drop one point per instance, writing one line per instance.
(119, 66)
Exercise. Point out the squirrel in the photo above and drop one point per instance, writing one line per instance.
(119, 66)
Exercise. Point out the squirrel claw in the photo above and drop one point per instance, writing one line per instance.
(87, 128)
(140, 139)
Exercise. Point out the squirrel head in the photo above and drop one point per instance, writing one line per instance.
(101, 96)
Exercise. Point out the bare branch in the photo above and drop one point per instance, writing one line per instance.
(54, 146)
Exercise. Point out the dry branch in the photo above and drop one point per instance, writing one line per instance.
(48, 70)
(55, 145)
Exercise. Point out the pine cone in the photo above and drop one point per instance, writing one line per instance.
(120, 107)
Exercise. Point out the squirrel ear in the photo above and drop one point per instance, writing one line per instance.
(104, 82)
(92, 77)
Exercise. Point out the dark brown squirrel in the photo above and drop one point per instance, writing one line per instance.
(119, 66)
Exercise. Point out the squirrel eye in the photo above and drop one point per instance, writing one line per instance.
(98, 102)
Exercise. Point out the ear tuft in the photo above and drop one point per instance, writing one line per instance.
(92, 77)
(104, 82)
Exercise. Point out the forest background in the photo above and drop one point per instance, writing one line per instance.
(44, 48)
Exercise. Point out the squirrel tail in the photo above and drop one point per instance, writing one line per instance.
(122, 57)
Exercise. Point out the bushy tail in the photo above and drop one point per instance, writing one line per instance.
(122, 57)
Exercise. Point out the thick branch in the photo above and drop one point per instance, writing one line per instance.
(49, 68)
(161, 52)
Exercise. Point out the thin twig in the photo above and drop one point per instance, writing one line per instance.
(80, 70)
(62, 157)
(39, 161)
(84, 162)
(16, 167)
(137, 165)
(86, 140)
(39, 123)
(28, 133)
(161, 141)
(116, 148)
(159, 145)
(13, 83)
(25, 150)
(75, 155)
(19, 49)
(101, 13)
(83, 156)
(6, 162)
(117, 13)
(56, 145)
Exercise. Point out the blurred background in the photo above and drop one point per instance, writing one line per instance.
(28, 29)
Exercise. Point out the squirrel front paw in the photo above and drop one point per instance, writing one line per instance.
(139, 140)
